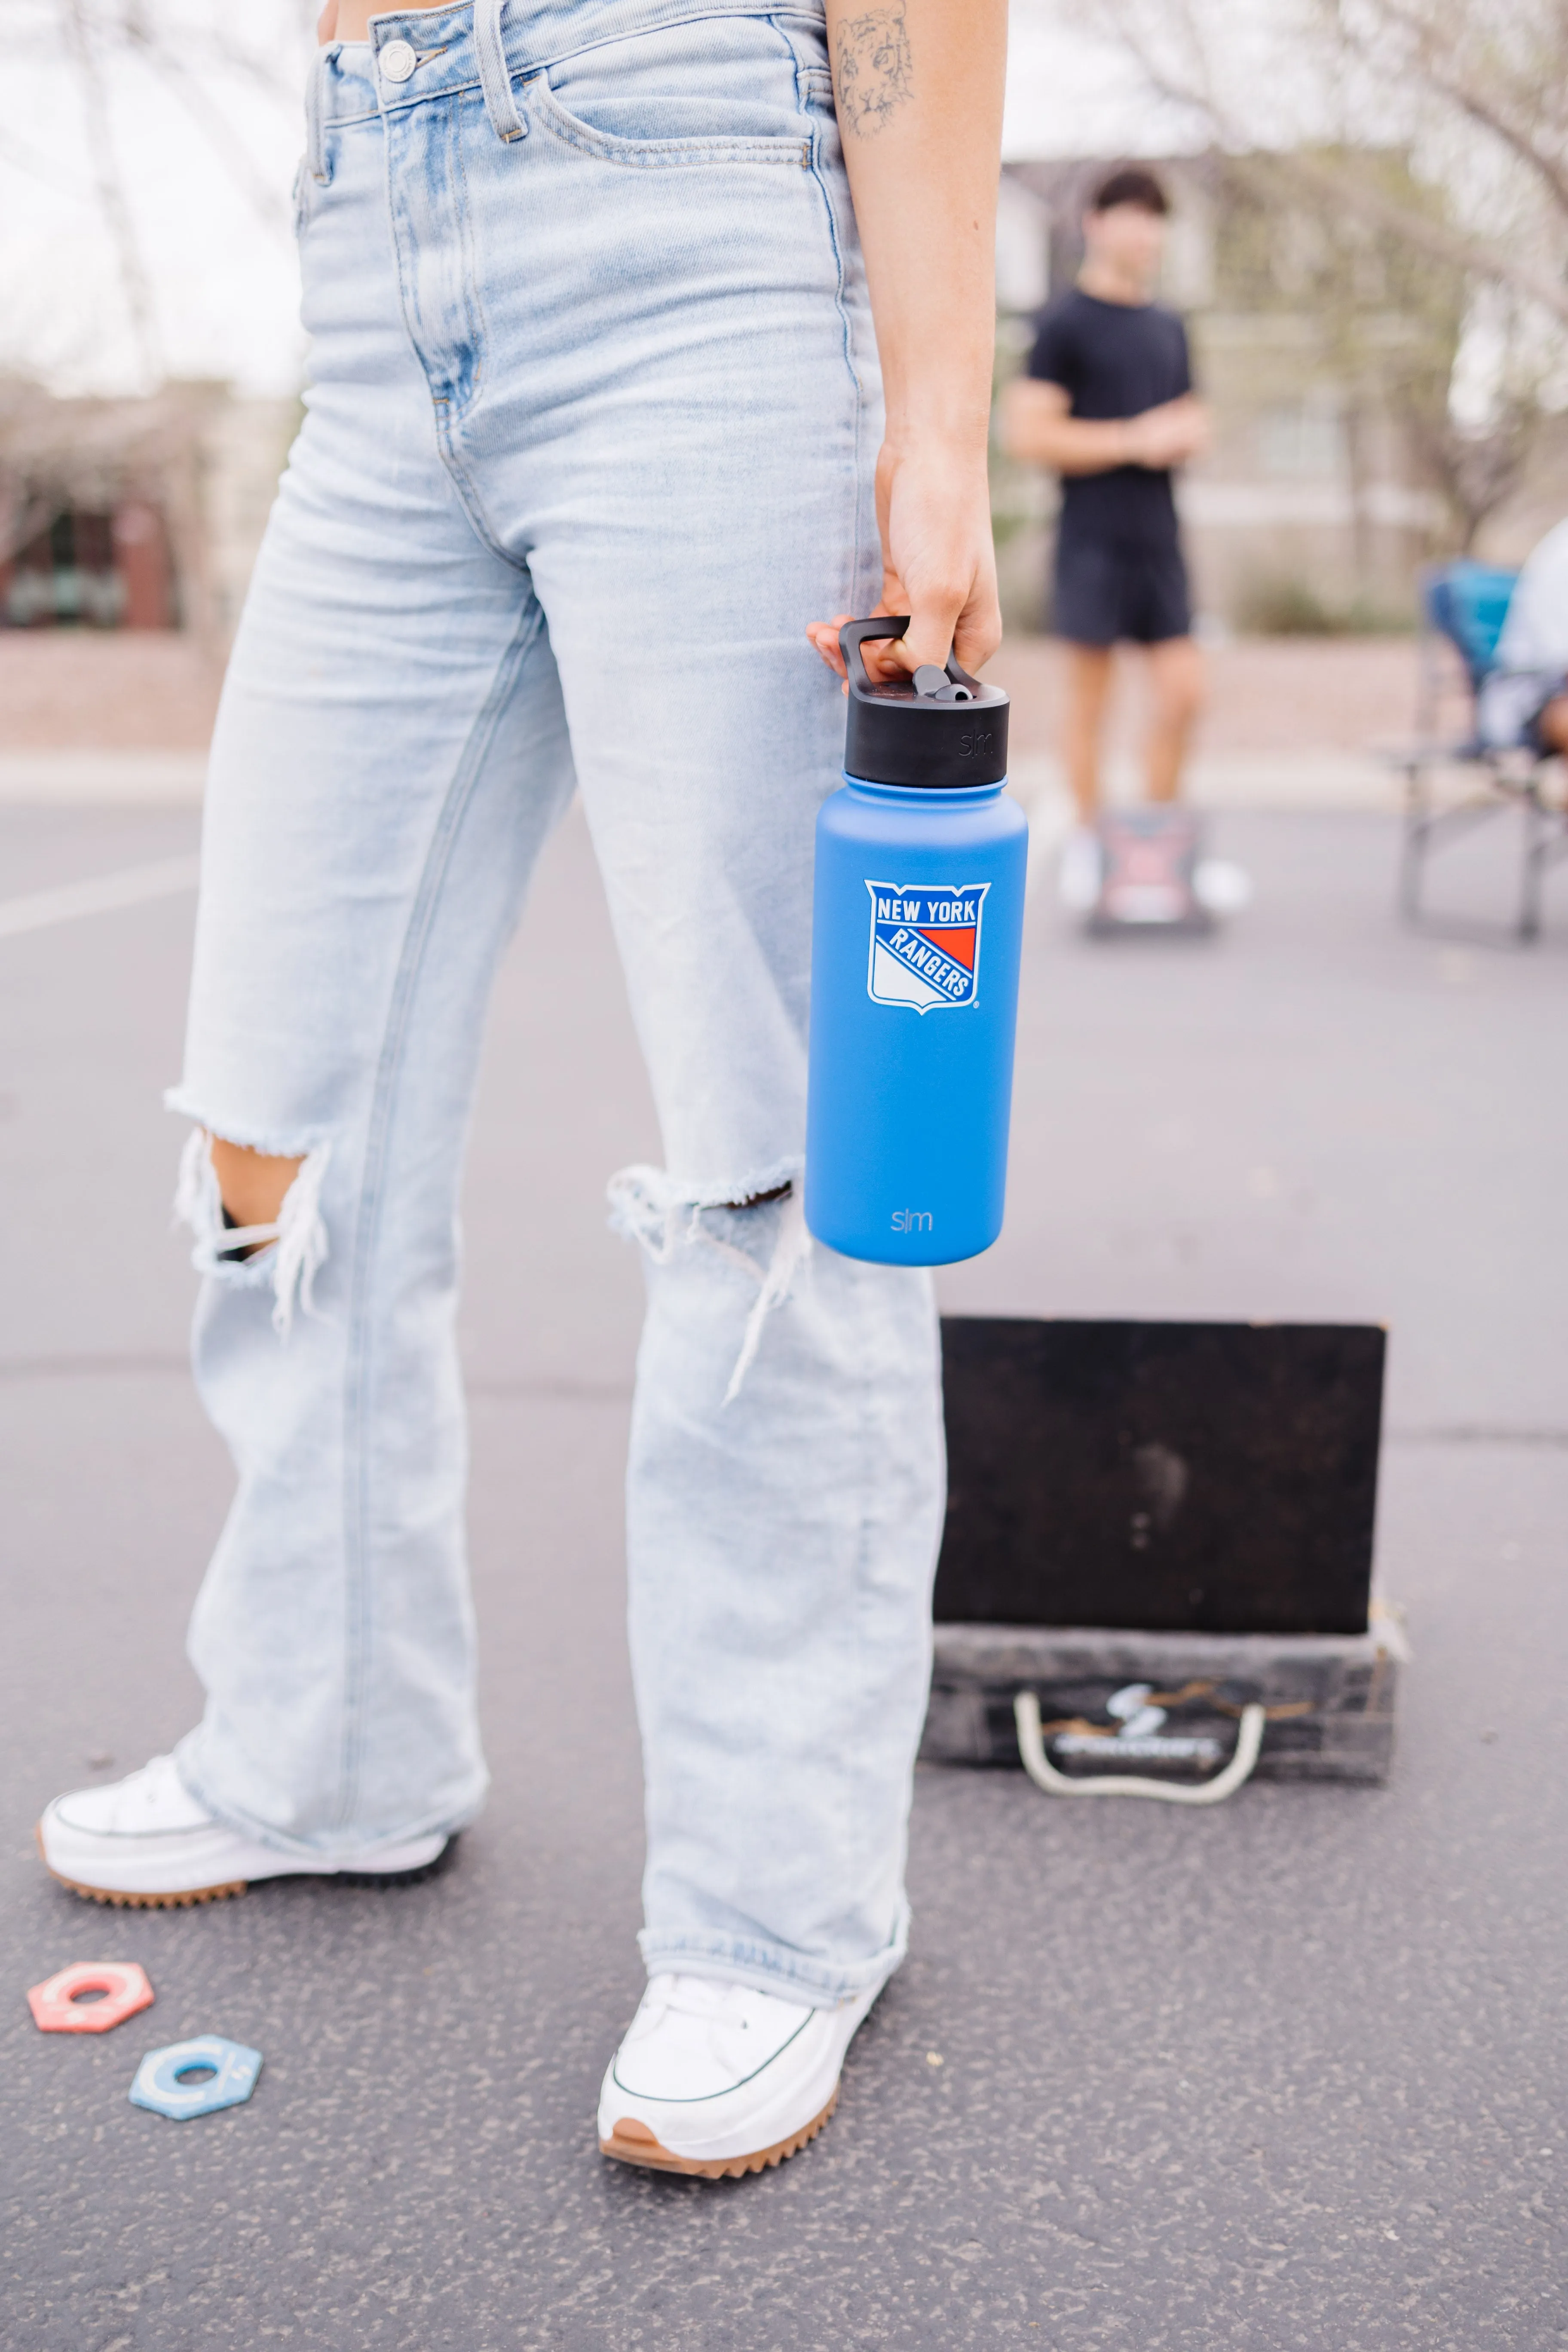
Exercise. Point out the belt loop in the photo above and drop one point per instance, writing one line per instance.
(495, 80)
(316, 119)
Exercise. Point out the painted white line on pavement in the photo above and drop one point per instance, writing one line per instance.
(130, 887)
(103, 778)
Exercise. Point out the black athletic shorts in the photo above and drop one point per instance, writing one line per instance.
(1107, 590)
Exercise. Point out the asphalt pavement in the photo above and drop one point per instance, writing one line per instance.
(1290, 2074)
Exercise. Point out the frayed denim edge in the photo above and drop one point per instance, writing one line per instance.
(661, 1211)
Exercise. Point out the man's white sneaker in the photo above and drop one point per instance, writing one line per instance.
(1221, 887)
(720, 2079)
(144, 1843)
(1082, 871)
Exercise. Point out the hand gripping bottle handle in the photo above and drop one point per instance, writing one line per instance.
(917, 925)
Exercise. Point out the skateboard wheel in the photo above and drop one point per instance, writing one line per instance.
(58, 2005)
(192, 2078)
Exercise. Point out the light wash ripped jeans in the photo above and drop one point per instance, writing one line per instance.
(593, 413)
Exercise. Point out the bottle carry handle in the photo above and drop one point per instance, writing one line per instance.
(855, 634)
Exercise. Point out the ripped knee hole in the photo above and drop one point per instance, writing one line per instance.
(252, 1187)
(266, 1206)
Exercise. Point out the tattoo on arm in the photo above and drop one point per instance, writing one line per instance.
(873, 68)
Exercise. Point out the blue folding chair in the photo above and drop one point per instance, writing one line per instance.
(1464, 606)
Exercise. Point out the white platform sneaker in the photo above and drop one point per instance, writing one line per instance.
(1220, 886)
(1081, 869)
(144, 1843)
(720, 2079)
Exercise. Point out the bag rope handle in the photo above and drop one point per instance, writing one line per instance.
(1225, 1783)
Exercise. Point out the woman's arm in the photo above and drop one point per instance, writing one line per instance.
(919, 86)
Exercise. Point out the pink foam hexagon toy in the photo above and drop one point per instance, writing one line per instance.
(58, 2005)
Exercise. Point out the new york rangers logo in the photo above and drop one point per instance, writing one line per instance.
(925, 943)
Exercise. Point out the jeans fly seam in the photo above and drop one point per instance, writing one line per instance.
(472, 301)
(450, 413)
(356, 1498)
(473, 308)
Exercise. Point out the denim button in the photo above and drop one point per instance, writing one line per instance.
(396, 61)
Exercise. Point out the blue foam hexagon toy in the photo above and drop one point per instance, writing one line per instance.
(230, 2081)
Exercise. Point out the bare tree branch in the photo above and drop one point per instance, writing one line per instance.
(1480, 106)
(198, 102)
(1485, 256)
(111, 192)
(1341, 182)
(23, 157)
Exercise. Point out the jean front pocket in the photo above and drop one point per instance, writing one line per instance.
(720, 89)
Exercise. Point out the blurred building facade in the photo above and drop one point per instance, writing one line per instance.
(135, 513)
(1327, 372)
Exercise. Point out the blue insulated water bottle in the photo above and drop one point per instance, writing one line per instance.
(914, 970)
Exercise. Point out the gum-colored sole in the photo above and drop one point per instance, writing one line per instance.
(632, 2143)
(182, 1902)
(117, 1901)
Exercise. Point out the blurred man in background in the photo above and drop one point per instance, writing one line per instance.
(1107, 402)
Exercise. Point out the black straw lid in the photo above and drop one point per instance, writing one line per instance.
(940, 730)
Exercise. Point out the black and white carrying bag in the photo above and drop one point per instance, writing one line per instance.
(1156, 1570)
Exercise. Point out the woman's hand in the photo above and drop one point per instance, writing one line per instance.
(939, 564)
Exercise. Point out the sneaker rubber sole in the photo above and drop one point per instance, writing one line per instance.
(118, 1900)
(632, 2143)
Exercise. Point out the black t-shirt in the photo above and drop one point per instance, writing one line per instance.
(1114, 359)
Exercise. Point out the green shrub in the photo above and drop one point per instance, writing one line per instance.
(1284, 605)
